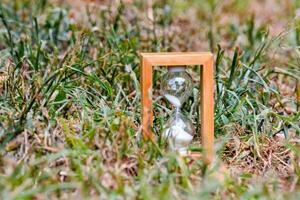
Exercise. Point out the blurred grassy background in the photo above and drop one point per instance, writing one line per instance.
(70, 99)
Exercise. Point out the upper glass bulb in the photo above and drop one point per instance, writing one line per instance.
(177, 85)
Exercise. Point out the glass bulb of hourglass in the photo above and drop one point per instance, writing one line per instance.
(179, 132)
(177, 87)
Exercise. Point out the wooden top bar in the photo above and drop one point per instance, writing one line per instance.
(177, 58)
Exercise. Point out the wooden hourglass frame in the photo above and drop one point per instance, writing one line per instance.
(202, 59)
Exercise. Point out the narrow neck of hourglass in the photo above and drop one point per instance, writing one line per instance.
(176, 69)
(177, 111)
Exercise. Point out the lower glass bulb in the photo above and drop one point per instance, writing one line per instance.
(179, 132)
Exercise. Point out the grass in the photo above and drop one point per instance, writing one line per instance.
(70, 99)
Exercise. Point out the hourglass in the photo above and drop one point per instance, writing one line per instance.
(176, 87)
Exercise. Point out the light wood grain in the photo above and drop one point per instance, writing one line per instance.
(298, 94)
(207, 109)
(147, 112)
(174, 58)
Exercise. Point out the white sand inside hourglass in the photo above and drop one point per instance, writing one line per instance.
(179, 136)
(181, 139)
(173, 100)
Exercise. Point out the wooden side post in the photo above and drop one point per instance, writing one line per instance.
(298, 94)
(207, 109)
(147, 111)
